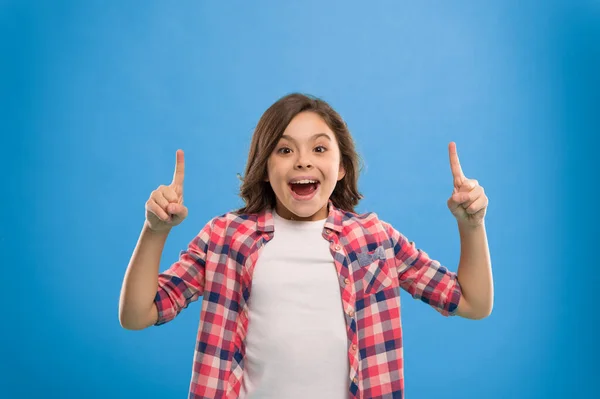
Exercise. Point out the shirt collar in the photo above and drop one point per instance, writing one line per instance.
(265, 223)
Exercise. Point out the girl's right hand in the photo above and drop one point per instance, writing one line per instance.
(164, 208)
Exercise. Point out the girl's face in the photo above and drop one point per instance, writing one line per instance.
(304, 168)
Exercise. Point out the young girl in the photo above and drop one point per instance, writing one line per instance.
(301, 294)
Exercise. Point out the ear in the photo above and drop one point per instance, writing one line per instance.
(342, 172)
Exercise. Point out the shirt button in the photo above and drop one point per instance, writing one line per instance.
(338, 247)
(355, 380)
(353, 347)
(328, 231)
(346, 281)
(351, 312)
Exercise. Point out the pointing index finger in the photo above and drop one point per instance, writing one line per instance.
(457, 172)
(179, 169)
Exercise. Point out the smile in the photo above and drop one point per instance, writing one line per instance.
(304, 189)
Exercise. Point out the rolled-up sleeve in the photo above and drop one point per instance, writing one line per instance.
(183, 282)
(423, 278)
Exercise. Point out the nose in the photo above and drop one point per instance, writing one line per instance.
(303, 162)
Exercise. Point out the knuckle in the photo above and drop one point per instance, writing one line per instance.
(171, 193)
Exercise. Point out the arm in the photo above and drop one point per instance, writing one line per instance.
(475, 273)
(137, 309)
(423, 278)
(468, 204)
(152, 298)
(164, 209)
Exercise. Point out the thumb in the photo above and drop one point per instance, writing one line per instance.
(468, 185)
(177, 210)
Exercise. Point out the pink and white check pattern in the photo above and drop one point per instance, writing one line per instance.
(373, 262)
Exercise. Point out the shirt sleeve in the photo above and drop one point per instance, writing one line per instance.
(424, 278)
(183, 282)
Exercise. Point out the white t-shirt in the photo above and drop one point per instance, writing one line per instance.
(296, 345)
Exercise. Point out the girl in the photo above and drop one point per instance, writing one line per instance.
(301, 294)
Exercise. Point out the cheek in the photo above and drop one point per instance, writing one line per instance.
(335, 171)
(272, 174)
(269, 169)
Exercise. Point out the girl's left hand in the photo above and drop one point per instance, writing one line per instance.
(468, 201)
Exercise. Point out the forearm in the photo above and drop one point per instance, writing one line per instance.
(136, 305)
(475, 273)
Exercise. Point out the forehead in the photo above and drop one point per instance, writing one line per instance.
(306, 125)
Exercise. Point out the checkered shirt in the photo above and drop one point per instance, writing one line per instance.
(373, 261)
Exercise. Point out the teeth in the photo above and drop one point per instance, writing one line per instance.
(303, 181)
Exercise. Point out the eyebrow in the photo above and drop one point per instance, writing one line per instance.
(314, 137)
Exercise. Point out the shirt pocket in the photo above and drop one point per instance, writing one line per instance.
(372, 273)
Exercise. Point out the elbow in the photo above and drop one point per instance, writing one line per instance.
(129, 322)
(482, 313)
(477, 311)
(125, 322)
(480, 316)
(128, 325)
(131, 326)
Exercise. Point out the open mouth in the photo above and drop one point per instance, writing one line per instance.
(305, 187)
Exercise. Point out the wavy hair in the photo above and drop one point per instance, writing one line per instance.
(256, 192)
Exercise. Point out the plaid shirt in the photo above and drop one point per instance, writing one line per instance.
(373, 262)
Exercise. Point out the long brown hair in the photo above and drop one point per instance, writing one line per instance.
(256, 192)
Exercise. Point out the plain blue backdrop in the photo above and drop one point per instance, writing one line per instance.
(96, 97)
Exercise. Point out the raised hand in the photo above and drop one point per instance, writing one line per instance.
(164, 208)
(468, 202)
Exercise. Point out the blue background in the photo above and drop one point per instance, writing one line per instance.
(96, 97)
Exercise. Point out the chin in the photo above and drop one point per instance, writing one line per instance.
(305, 211)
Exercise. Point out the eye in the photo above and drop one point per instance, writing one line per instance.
(320, 148)
(284, 150)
